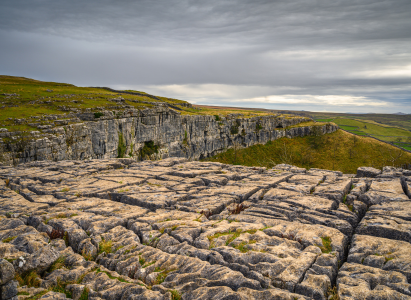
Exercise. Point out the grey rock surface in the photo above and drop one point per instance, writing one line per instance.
(164, 229)
(368, 172)
(8, 290)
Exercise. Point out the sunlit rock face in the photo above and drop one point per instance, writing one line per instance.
(163, 132)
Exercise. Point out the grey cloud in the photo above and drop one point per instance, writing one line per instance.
(346, 47)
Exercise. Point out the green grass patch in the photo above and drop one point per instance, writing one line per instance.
(84, 294)
(388, 258)
(324, 120)
(31, 279)
(148, 264)
(97, 115)
(110, 276)
(232, 236)
(348, 127)
(105, 246)
(141, 260)
(333, 293)
(61, 288)
(404, 146)
(185, 140)
(234, 129)
(242, 247)
(121, 147)
(58, 264)
(9, 239)
(23, 293)
(162, 275)
(175, 295)
(358, 132)
(326, 245)
(149, 149)
(38, 295)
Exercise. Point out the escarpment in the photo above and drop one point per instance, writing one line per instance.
(179, 229)
(150, 133)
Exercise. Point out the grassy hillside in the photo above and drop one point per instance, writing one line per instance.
(340, 151)
(23, 98)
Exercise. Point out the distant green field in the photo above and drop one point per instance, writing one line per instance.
(383, 132)
(406, 147)
(324, 120)
(348, 127)
(373, 129)
(357, 132)
(403, 121)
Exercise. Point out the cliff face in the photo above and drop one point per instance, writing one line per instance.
(161, 132)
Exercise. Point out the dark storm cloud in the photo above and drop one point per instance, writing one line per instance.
(241, 50)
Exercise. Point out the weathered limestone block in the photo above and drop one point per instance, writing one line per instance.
(333, 189)
(386, 227)
(38, 261)
(384, 191)
(394, 209)
(382, 253)
(357, 281)
(18, 205)
(314, 286)
(368, 172)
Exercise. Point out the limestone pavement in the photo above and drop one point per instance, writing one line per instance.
(178, 229)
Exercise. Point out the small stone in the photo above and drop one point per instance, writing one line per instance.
(6, 271)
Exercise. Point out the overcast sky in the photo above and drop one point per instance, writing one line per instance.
(318, 55)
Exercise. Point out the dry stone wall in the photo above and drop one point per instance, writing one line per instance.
(178, 229)
(176, 135)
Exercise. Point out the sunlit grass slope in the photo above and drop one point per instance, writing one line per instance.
(23, 98)
(340, 151)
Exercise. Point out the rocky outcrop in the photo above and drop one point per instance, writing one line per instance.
(157, 133)
(179, 229)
